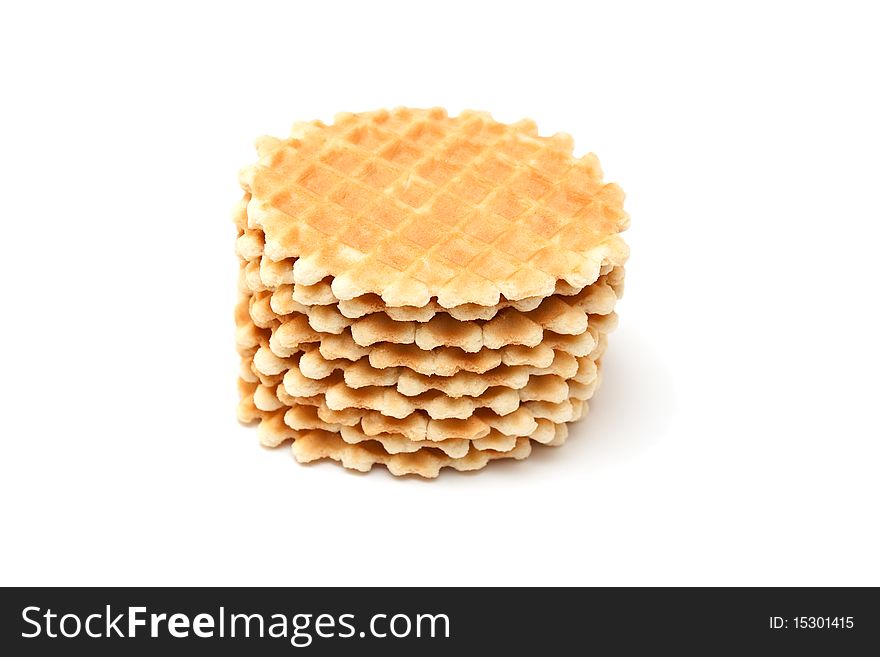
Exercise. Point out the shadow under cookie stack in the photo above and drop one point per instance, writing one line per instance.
(423, 291)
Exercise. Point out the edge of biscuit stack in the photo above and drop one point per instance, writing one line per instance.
(423, 291)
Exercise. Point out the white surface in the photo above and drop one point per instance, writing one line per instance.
(735, 440)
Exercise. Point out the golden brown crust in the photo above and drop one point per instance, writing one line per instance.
(423, 292)
(414, 205)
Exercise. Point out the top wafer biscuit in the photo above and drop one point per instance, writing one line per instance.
(414, 205)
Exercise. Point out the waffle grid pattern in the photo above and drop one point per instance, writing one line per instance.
(421, 291)
(413, 205)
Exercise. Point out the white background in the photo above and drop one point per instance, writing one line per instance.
(735, 440)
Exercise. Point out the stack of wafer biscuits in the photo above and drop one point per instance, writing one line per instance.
(423, 291)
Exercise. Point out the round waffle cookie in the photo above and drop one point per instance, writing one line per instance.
(423, 291)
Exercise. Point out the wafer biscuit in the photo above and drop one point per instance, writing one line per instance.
(439, 406)
(314, 445)
(303, 418)
(360, 373)
(357, 451)
(425, 458)
(543, 384)
(566, 411)
(413, 205)
(601, 293)
(420, 426)
(267, 276)
(546, 433)
(442, 361)
(446, 361)
(524, 380)
(422, 291)
(278, 426)
(378, 367)
(509, 327)
(597, 298)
